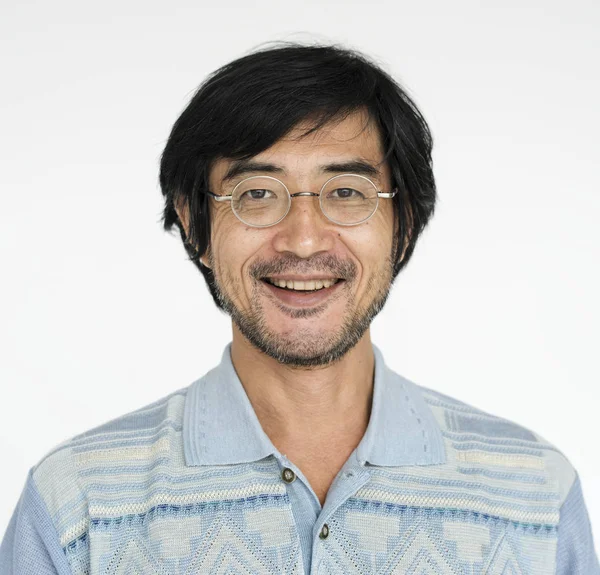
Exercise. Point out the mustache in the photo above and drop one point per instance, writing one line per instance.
(321, 263)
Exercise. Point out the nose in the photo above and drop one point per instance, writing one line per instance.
(305, 231)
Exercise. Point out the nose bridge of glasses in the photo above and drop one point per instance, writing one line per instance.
(311, 205)
(297, 194)
(316, 206)
(305, 228)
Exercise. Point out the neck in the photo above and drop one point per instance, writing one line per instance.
(292, 404)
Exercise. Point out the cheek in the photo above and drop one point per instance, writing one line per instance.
(232, 247)
(372, 246)
(220, 224)
(375, 240)
(223, 244)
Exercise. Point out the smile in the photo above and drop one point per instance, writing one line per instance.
(302, 293)
(302, 285)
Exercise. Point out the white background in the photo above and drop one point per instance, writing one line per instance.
(100, 313)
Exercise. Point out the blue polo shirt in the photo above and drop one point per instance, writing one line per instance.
(192, 484)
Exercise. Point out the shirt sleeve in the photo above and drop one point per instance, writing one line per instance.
(30, 545)
(575, 553)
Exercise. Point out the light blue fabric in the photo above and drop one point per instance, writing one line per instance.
(30, 545)
(575, 552)
(221, 428)
(192, 484)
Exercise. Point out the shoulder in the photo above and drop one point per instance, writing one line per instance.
(66, 476)
(482, 444)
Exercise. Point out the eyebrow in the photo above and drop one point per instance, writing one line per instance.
(357, 166)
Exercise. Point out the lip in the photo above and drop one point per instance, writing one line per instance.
(299, 278)
(301, 299)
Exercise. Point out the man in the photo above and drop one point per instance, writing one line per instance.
(300, 179)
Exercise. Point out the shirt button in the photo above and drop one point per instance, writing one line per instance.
(324, 531)
(288, 475)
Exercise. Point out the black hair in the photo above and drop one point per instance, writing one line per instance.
(246, 106)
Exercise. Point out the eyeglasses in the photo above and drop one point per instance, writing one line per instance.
(263, 201)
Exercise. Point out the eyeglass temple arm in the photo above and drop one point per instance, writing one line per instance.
(219, 198)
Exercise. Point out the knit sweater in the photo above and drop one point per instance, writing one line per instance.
(191, 484)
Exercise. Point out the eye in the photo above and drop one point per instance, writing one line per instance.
(258, 194)
(346, 194)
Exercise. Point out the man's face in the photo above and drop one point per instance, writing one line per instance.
(297, 326)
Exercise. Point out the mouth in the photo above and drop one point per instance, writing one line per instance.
(308, 286)
(302, 293)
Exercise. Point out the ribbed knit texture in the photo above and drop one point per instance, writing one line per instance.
(191, 484)
(575, 552)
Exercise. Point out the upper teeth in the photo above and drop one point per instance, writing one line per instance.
(302, 286)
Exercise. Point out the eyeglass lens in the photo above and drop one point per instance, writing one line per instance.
(264, 201)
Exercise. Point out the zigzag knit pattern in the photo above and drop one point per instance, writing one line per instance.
(124, 502)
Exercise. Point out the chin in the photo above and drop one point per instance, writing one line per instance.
(304, 346)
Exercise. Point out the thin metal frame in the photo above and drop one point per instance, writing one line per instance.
(385, 195)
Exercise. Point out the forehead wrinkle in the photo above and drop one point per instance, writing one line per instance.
(303, 128)
(338, 150)
(352, 138)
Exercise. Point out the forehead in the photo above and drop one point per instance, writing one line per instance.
(354, 133)
(355, 137)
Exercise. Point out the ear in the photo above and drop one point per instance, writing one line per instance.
(409, 225)
(183, 213)
(204, 261)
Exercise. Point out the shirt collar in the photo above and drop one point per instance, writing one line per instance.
(220, 426)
